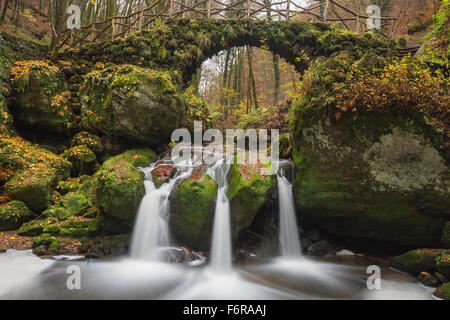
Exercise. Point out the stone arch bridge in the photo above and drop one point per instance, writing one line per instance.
(181, 45)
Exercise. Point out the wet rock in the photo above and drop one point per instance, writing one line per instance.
(428, 280)
(248, 190)
(120, 188)
(443, 264)
(443, 291)
(13, 214)
(418, 260)
(320, 248)
(192, 206)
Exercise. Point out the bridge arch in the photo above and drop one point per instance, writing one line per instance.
(182, 45)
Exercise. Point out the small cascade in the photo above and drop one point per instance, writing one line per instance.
(221, 253)
(288, 233)
(151, 231)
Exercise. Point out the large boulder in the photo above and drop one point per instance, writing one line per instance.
(248, 190)
(31, 173)
(192, 205)
(418, 260)
(120, 188)
(133, 103)
(42, 100)
(13, 214)
(443, 264)
(378, 174)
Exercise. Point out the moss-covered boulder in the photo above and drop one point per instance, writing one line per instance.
(418, 260)
(443, 264)
(192, 206)
(133, 103)
(31, 173)
(375, 173)
(13, 214)
(443, 291)
(41, 97)
(249, 188)
(89, 140)
(445, 236)
(83, 160)
(120, 187)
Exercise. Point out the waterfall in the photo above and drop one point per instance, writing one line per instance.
(221, 253)
(151, 230)
(288, 233)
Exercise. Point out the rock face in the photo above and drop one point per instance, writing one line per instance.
(248, 190)
(13, 214)
(192, 205)
(41, 97)
(136, 104)
(443, 291)
(372, 177)
(418, 260)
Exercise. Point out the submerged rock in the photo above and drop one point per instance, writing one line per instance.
(192, 205)
(133, 103)
(418, 260)
(13, 214)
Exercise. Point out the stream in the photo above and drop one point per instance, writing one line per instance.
(145, 274)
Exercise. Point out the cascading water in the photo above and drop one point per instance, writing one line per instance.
(151, 230)
(221, 253)
(288, 233)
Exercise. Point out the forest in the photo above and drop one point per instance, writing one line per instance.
(99, 176)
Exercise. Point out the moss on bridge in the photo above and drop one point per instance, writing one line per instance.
(181, 45)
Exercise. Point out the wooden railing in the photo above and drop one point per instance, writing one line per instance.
(120, 26)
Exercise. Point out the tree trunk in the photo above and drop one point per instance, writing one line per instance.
(5, 8)
(251, 75)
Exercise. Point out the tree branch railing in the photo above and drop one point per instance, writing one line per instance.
(120, 26)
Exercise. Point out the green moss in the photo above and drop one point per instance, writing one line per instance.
(89, 140)
(120, 188)
(13, 214)
(41, 97)
(192, 206)
(248, 191)
(82, 158)
(443, 264)
(416, 261)
(443, 291)
(74, 204)
(32, 228)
